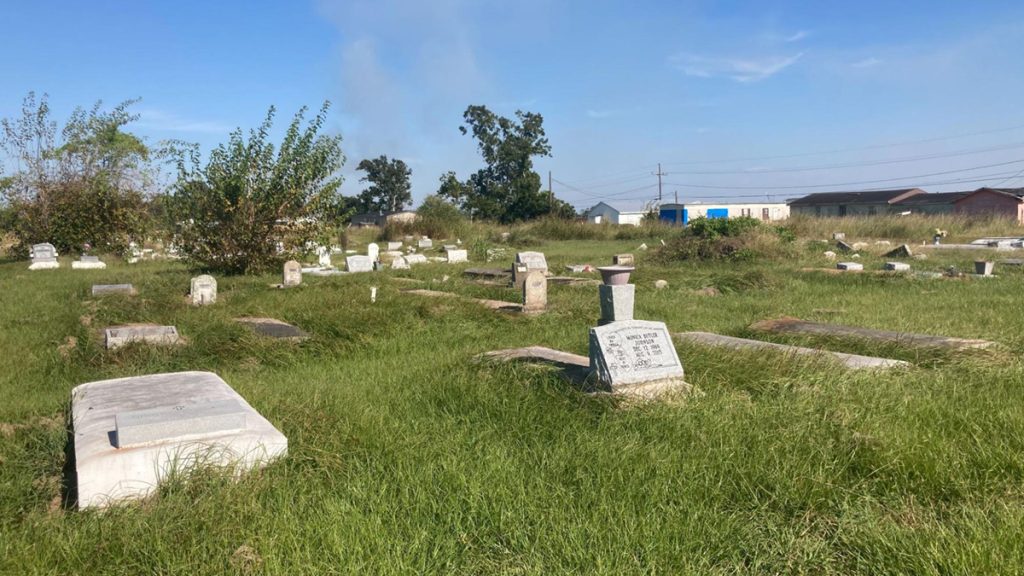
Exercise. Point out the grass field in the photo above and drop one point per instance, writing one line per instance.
(407, 457)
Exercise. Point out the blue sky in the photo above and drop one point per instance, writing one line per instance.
(735, 99)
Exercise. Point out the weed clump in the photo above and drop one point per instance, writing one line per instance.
(737, 239)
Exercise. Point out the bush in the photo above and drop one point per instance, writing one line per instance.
(230, 215)
(726, 239)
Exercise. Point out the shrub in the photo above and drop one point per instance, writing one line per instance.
(230, 215)
(726, 239)
(439, 219)
(85, 185)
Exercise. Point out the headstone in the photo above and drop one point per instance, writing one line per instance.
(273, 328)
(415, 259)
(849, 266)
(88, 263)
(838, 236)
(458, 256)
(394, 245)
(633, 352)
(897, 266)
(104, 289)
(358, 264)
(843, 246)
(291, 275)
(118, 336)
(616, 302)
(400, 263)
(203, 290)
(533, 261)
(132, 433)
(373, 251)
(519, 272)
(535, 293)
(425, 243)
(323, 259)
(623, 260)
(901, 251)
(983, 267)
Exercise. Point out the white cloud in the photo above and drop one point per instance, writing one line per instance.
(153, 119)
(866, 63)
(797, 36)
(738, 69)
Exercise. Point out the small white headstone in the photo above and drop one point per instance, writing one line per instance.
(849, 266)
(291, 275)
(415, 259)
(425, 243)
(458, 256)
(203, 290)
(399, 263)
(897, 266)
(323, 258)
(535, 292)
(373, 251)
(118, 336)
(394, 246)
(359, 264)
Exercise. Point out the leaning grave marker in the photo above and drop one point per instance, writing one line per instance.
(131, 433)
(634, 352)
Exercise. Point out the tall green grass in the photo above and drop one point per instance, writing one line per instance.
(914, 228)
(408, 457)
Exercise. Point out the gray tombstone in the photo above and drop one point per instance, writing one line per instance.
(535, 293)
(373, 251)
(44, 257)
(633, 352)
(519, 272)
(292, 273)
(394, 246)
(359, 264)
(617, 302)
(203, 290)
(104, 289)
(425, 243)
(533, 261)
(623, 260)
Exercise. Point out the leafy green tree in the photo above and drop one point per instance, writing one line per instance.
(87, 183)
(389, 189)
(230, 215)
(507, 189)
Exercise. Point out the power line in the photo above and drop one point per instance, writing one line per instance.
(834, 185)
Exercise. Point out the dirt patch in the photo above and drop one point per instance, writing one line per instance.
(85, 320)
(69, 345)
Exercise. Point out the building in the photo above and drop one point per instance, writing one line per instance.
(935, 203)
(682, 213)
(381, 218)
(1007, 202)
(852, 203)
(605, 213)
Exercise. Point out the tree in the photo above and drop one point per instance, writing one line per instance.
(507, 189)
(389, 189)
(231, 214)
(86, 184)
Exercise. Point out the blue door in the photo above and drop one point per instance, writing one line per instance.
(667, 216)
(718, 213)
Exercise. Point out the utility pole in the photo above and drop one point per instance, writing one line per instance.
(677, 196)
(659, 174)
(551, 194)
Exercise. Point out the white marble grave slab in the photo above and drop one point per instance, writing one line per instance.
(130, 433)
(456, 255)
(117, 336)
(359, 264)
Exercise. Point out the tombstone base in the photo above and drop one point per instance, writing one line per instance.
(77, 265)
(44, 265)
(616, 302)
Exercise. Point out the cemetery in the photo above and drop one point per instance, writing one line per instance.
(218, 398)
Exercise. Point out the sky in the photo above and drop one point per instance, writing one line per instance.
(736, 100)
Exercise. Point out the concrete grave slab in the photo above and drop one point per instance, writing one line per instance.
(273, 328)
(805, 328)
(851, 361)
(132, 433)
(106, 289)
(897, 266)
(118, 336)
(850, 266)
(88, 263)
